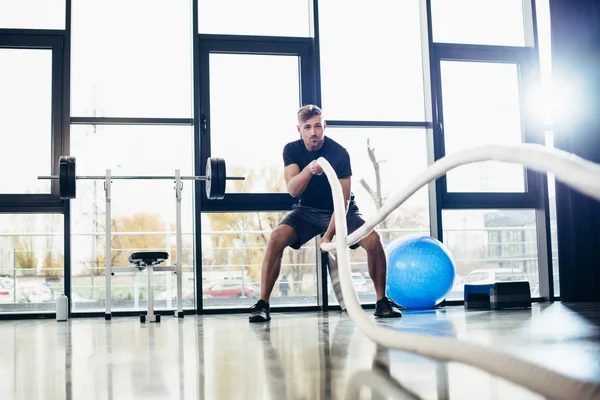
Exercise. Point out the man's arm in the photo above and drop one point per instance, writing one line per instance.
(297, 180)
(346, 184)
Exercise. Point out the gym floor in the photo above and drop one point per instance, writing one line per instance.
(309, 355)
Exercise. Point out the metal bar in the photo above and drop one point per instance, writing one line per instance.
(67, 256)
(14, 257)
(316, 35)
(164, 269)
(131, 121)
(57, 110)
(200, 147)
(544, 242)
(380, 124)
(150, 303)
(483, 53)
(321, 277)
(32, 32)
(179, 241)
(489, 200)
(38, 40)
(149, 177)
(156, 268)
(250, 38)
(122, 270)
(529, 23)
(107, 261)
(434, 188)
(65, 142)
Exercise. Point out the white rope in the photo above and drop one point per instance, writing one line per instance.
(379, 382)
(577, 172)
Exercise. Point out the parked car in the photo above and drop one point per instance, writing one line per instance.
(360, 283)
(492, 275)
(186, 294)
(231, 289)
(7, 290)
(34, 293)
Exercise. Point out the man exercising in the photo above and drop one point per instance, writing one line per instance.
(313, 213)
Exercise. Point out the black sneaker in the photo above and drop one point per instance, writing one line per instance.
(385, 308)
(260, 312)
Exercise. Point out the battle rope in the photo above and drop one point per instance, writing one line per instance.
(577, 172)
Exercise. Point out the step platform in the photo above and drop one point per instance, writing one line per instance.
(498, 295)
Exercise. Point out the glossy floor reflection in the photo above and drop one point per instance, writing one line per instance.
(295, 356)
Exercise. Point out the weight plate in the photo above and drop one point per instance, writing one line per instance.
(63, 176)
(210, 182)
(72, 186)
(67, 177)
(215, 184)
(221, 178)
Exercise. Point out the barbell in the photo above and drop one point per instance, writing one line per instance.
(214, 180)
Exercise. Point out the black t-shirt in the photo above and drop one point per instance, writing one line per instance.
(318, 192)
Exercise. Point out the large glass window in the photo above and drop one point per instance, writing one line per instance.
(32, 14)
(31, 262)
(383, 161)
(489, 22)
(257, 17)
(253, 104)
(371, 65)
(233, 248)
(25, 118)
(481, 106)
(143, 212)
(490, 246)
(131, 59)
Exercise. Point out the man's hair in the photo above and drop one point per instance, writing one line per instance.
(308, 111)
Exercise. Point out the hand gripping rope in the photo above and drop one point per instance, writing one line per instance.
(577, 172)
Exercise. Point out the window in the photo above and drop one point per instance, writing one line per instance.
(256, 17)
(32, 14)
(31, 262)
(25, 118)
(489, 22)
(253, 105)
(143, 211)
(481, 260)
(371, 65)
(383, 161)
(481, 106)
(131, 59)
(233, 248)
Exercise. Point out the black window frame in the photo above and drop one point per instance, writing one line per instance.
(236, 44)
(526, 60)
(54, 41)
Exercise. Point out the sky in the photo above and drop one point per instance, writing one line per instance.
(137, 63)
(490, 22)
(25, 119)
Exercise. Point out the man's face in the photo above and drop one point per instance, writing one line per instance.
(312, 131)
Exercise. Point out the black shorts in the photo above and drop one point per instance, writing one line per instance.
(309, 222)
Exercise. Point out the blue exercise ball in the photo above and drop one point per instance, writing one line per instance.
(420, 271)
